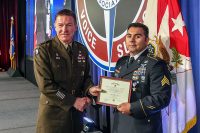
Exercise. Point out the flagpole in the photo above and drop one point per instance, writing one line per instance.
(12, 71)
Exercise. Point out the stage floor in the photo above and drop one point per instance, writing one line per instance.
(18, 104)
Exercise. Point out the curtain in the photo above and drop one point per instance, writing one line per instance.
(190, 10)
(8, 8)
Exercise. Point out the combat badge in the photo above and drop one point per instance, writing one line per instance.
(142, 70)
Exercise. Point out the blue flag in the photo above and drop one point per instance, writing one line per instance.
(12, 44)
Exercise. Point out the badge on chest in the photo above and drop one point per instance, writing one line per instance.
(81, 57)
(139, 75)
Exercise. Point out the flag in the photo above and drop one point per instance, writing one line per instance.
(12, 44)
(168, 34)
(35, 26)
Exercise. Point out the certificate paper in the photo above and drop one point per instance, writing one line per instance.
(114, 91)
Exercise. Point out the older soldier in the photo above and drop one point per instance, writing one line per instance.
(62, 73)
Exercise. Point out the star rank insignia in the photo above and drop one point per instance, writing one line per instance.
(164, 81)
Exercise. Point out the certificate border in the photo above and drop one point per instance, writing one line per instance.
(112, 78)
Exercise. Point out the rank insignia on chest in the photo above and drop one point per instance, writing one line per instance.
(57, 56)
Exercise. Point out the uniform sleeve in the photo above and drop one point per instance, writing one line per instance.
(160, 92)
(46, 83)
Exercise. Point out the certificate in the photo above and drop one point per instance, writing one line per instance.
(114, 91)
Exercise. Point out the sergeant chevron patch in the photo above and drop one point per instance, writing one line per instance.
(164, 81)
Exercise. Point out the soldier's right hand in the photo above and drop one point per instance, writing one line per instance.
(95, 91)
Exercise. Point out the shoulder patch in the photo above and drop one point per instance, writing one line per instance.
(36, 51)
(47, 41)
(165, 80)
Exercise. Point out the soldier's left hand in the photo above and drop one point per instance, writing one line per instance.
(124, 108)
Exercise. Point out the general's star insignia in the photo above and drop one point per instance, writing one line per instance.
(164, 81)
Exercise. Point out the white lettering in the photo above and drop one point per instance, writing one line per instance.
(107, 4)
(125, 48)
(86, 30)
(89, 35)
(84, 24)
(120, 51)
(82, 14)
(93, 42)
(120, 48)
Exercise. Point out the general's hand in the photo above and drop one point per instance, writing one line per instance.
(88, 100)
(95, 90)
(81, 103)
(124, 108)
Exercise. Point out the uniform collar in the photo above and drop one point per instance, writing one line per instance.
(125, 71)
(60, 47)
(137, 55)
(66, 45)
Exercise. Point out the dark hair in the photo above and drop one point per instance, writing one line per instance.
(140, 25)
(66, 12)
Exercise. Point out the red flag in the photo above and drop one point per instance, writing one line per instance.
(177, 28)
(170, 28)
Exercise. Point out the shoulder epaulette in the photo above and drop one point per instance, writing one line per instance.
(123, 58)
(45, 42)
(153, 57)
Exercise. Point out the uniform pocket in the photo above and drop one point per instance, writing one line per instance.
(59, 69)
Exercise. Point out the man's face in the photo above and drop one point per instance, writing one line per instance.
(65, 28)
(136, 40)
